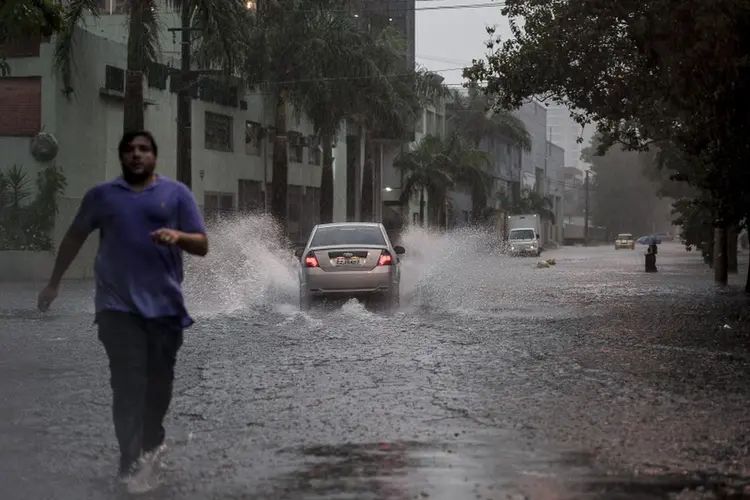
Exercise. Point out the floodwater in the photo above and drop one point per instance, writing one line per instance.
(496, 380)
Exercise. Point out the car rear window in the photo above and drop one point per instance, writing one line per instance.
(363, 235)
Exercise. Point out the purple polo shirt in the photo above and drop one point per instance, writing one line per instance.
(134, 273)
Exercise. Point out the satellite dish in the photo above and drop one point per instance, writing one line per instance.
(44, 147)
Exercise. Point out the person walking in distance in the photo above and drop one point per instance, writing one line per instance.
(146, 222)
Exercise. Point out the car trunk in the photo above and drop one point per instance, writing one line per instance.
(348, 259)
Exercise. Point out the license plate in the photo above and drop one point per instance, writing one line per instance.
(344, 261)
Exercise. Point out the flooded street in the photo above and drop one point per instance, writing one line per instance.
(496, 380)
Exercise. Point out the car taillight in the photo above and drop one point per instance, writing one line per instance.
(311, 261)
(385, 259)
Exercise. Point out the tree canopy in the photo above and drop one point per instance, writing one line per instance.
(672, 71)
(24, 18)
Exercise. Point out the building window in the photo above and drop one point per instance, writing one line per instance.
(296, 148)
(218, 132)
(253, 138)
(22, 47)
(216, 205)
(20, 106)
(250, 196)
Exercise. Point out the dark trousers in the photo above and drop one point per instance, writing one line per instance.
(142, 354)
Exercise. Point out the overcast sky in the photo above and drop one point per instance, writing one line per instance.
(448, 38)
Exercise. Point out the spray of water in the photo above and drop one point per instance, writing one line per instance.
(248, 268)
(464, 269)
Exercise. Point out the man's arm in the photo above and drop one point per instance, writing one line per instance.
(194, 243)
(84, 223)
(193, 239)
(69, 247)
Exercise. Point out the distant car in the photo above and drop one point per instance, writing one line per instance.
(349, 259)
(625, 240)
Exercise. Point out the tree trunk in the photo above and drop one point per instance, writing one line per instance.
(421, 207)
(720, 256)
(326, 180)
(747, 282)
(184, 105)
(133, 119)
(280, 165)
(478, 204)
(732, 250)
(366, 196)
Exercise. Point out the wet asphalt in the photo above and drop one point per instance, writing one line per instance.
(497, 380)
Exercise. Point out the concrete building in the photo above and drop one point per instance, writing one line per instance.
(574, 191)
(542, 167)
(231, 150)
(432, 122)
(565, 132)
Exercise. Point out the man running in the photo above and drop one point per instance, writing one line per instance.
(145, 222)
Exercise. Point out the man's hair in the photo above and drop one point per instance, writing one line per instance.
(128, 137)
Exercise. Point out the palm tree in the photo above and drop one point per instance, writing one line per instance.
(390, 107)
(530, 202)
(220, 22)
(344, 87)
(427, 170)
(472, 116)
(472, 168)
(294, 48)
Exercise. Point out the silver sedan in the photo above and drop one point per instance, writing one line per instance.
(349, 259)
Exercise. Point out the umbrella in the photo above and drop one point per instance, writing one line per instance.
(648, 240)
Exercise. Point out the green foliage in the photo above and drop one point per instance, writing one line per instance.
(437, 166)
(27, 215)
(473, 116)
(529, 202)
(222, 25)
(695, 219)
(26, 18)
(644, 72)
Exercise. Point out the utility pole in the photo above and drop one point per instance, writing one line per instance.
(586, 210)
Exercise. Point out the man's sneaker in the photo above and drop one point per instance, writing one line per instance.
(143, 477)
(156, 456)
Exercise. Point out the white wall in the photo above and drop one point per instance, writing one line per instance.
(533, 114)
(88, 128)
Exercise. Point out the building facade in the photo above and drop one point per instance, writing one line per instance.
(565, 132)
(231, 131)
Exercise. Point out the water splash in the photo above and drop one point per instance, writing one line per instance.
(247, 267)
(462, 270)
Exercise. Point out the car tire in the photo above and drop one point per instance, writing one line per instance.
(305, 303)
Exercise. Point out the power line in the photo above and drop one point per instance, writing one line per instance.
(387, 10)
(342, 78)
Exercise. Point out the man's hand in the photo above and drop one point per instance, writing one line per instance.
(192, 243)
(46, 297)
(167, 236)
